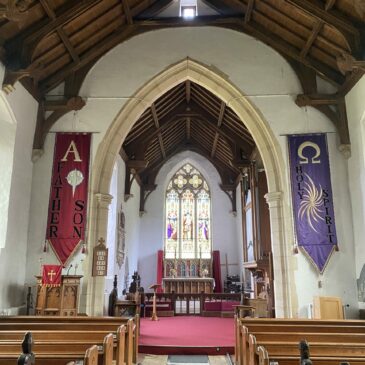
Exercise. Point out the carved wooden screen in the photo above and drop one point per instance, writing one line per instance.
(188, 215)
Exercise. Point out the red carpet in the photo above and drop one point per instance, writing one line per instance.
(187, 335)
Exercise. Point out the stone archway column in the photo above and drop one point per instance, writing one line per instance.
(96, 284)
(280, 257)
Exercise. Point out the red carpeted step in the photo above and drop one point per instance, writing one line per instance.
(187, 335)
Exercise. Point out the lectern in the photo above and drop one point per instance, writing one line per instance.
(58, 300)
(154, 287)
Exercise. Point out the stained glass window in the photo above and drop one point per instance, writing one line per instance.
(188, 215)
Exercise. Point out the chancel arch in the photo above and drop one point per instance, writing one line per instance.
(109, 148)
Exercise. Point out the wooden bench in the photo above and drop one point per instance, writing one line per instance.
(59, 340)
(261, 340)
(68, 351)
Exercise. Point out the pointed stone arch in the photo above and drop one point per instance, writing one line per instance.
(267, 144)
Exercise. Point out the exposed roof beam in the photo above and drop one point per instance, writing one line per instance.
(249, 10)
(196, 147)
(203, 115)
(171, 118)
(157, 125)
(315, 8)
(97, 51)
(257, 31)
(188, 90)
(127, 11)
(221, 114)
(316, 29)
(219, 123)
(188, 128)
(215, 143)
(142, 26)
(329, 4)
(44, 27)
(66, 41)
(154, 9)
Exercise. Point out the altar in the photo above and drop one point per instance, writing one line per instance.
(188, 285)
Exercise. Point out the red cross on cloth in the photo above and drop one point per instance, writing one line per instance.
(51, 275)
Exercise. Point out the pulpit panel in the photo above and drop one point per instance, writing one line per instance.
(59, 300)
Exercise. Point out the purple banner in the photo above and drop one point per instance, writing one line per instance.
(312, 197)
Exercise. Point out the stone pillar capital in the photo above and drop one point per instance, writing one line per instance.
(274, 198)
(103, 200)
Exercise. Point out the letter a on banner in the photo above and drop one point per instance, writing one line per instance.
(313, 211)
(68, 197)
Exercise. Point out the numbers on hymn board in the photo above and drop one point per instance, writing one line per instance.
(100, 260)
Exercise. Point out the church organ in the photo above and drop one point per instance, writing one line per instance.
(257, 254)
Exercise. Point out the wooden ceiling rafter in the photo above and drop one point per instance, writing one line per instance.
(187, 117)
(219, 123)
(316, 29)
(157, 125)
(33, 34)
(127, 11)
(54, 47)
(64, 38)
(329, 4)
(244, 8)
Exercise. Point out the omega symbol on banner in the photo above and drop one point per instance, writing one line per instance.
(313, 211)
(305, 160)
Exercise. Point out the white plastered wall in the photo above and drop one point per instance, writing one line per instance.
(17, 123)
(268, 89)
(132, 232)
(224, 233)
(356, 171)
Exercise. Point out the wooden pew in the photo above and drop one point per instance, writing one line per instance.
(67, 340)
(286, 353)
(331, 341)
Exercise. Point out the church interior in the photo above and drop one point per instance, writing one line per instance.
(196, 165)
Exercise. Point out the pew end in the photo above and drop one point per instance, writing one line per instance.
(91, 356)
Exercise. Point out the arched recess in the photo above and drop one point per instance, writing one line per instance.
(267, 145)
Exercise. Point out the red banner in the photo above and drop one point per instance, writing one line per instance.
(68, 197)
(51, 275)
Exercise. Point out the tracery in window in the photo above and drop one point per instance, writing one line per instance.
(188, 197)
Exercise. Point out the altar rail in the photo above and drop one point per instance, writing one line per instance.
(193, 303)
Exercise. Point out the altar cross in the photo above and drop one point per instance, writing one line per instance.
(52, 273)
(226, 264)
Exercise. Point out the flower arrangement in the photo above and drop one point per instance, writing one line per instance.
(205, 273)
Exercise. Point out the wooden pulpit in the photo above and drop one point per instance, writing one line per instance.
(58, 300)
(154, 287)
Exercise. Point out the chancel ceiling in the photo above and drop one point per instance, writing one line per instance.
(187, 117)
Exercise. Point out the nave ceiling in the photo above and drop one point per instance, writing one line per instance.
(48, 43)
